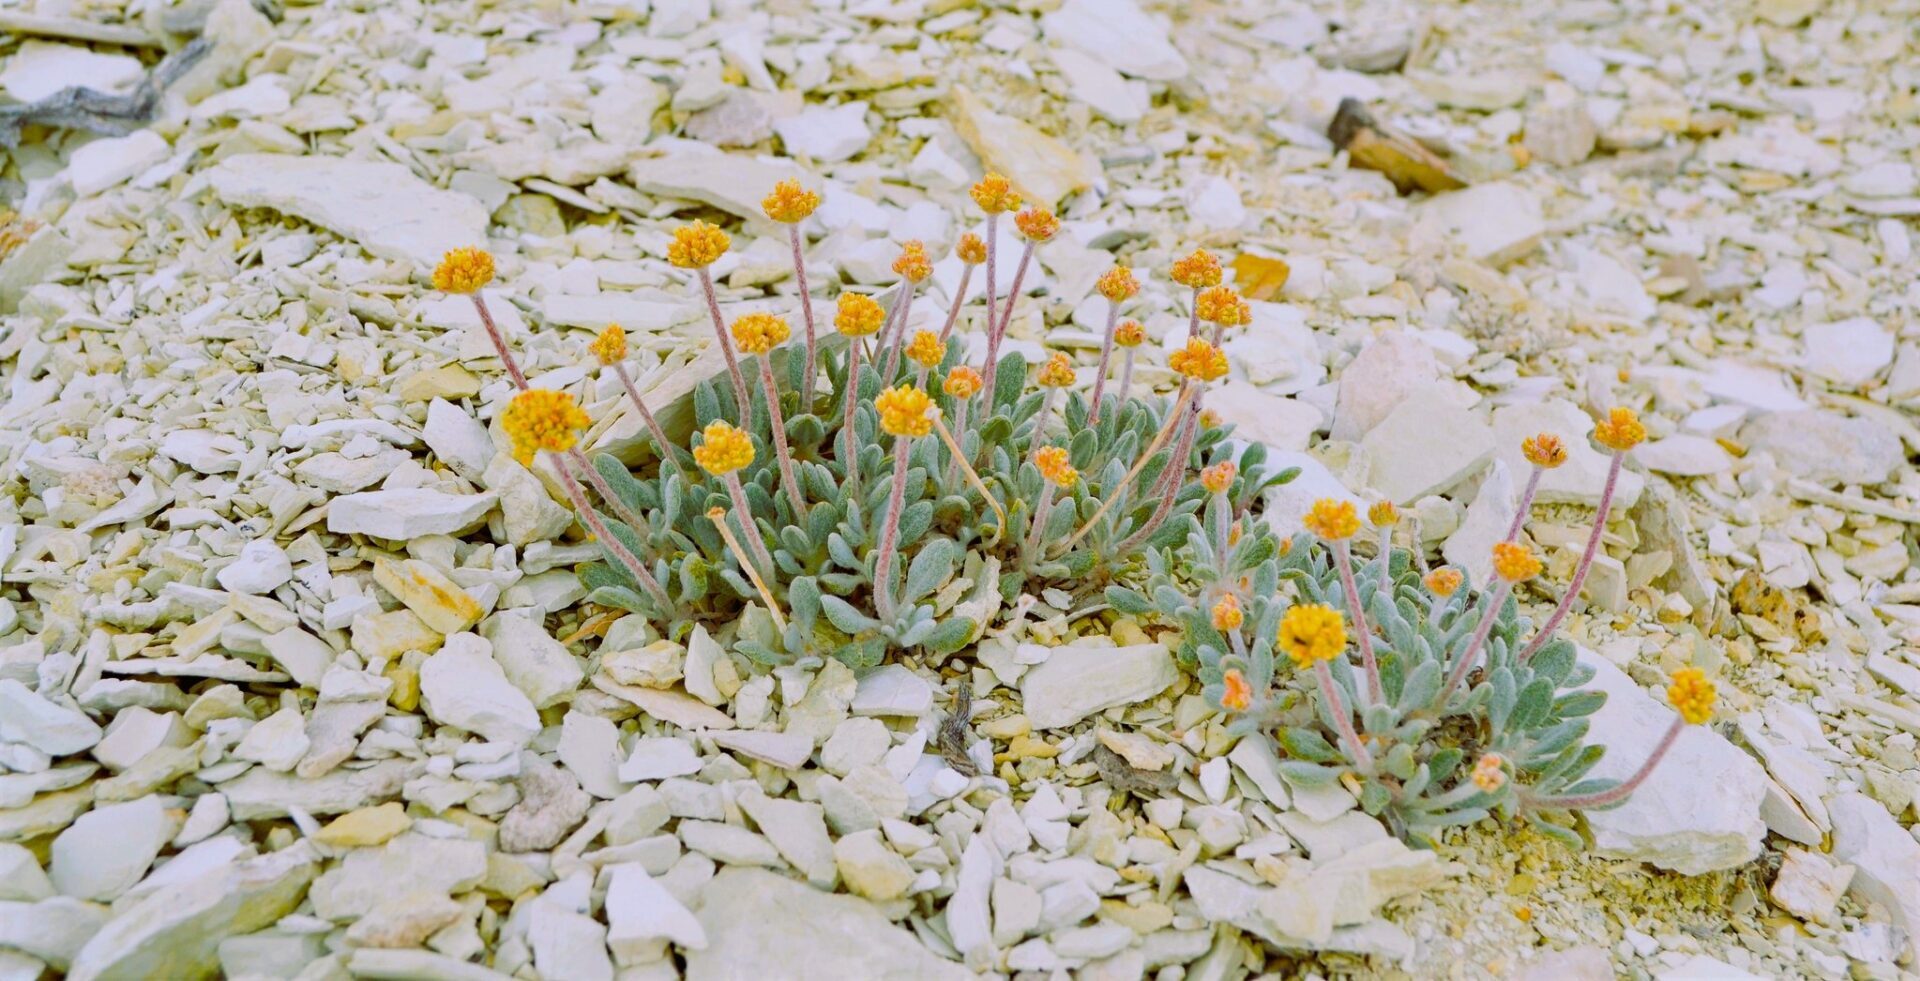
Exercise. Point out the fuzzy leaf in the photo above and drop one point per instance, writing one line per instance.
(1307, 744)
(951, 635)
(1579, 704)
(1128, 601)
(864, 653)
(1308, 775)
(842, 614)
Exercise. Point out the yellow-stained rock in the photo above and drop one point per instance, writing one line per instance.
(449, 381)
(389, 635)
(439, 602)
(364, 827)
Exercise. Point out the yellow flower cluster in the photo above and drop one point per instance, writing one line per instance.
(1217, 478)
(926, 349)
(858, 315)
(1489, 773)
(723, 448)
(758, 333)
(1311, 633)
(1037, 224)
(995, 194)
(697, 245)
(611, 346)
(1238, 696)
(542, 419)
(1227, 615)
(913, 265)
(463, 270)
(1117, 284)
(1129, 334)
(1198, 270)
(1053, 465)
(971, 250)
(1221, 305)
(1331, 519)
(1058, 371)
(1514, 562)
(1382, 514)
(1199, 360)
(1620, 431)
(963, 382)
(1692, 695)
(1444, 581)
(904, 411)
(1545, 450)
(789, 203)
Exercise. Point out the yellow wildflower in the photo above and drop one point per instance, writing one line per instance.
(542, 419)
(926, 349)
(995, 194)
(858, 315)
(1238, 696)
(697, 245)
(963, 382)
(1117, 284)
(1199, 360)
(912, 265)
(1692, 695)
(1332, 519)
(1037, 224)
(1219, 305)
(1129, 334)
(1052, 461)
(904, 411)
(758, 333)
(463, 270)
(611, 346)
(1313, 632)
(1209, 418)
(1217, 478)
(1198, 270)
(789, 203)
(971, 250)
(1444, 581)
(1058, 371)
(723, 448)
(1544, 450)
(1620, 431)
(1514, 562)
(1381, 514)
(1227, 615)
(1489, 774)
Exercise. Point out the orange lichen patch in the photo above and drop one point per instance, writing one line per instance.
(1258, 277)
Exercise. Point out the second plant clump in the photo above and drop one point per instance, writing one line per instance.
(901, 504)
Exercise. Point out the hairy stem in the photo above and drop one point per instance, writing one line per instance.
(726, 346)
(499, 341)
(1106, 353)
(959, 298)
(749, 529)
(1173, 419)
(1171, 489)
(897, 338)
(973, 479)
(1472, 652)
(849, 463)
(668, 451)
(890, 534)
(1045, 416)
(718, 516)
(1038, 523)
(627, 515)
(1343, 557)
(1586, 562)
(1622, 791)
(598, 528)
(1342, 719)
(953, 458)
(1126, 376)
(993, 252)
(1526, 504)
(806, 314)
(778, 424)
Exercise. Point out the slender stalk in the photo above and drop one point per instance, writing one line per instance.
(890, 534)
(806, 314)
(998, 332)
(1221, 533)
(1038, 523)
(1193, 314)
(946, 436)
(778, 424)
(1040, 421)
(726, 345)
(718, 516)
(993, 250)
(849, 463)
(499, 340)
(1171, 489)
(953, 460)
(1545, 633)
(1624, 789)
(1106, 353)
(898, 339)
(752, 531)
(1343, 558)
(627, 515)
(959, 297)
(1472, 653)
(1526, 503)
(600, 532)
(1167, 475)
(1173, 417)
(668, 451)
(1126, 377)
(1342, 719)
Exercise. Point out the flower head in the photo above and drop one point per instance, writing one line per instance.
(1209, 418)
(1227, 615)
(1238, 696)
(1220, 305)
(723, 448)
(858, 315)
(1129, 334)
(912, 265)
(542, 419)
(463, 270)
(1620, 431)
(927, 349)
(963, 382)
(1692, 695)
(611, 346)
(1199, 360)
(904, 411)
(1058, 371)
(1544, 450)
(1311, 633)
(1332, 519)
(1444, 581)
(995, 194)
(789, 203)
(1489, 772)
(1514, 562)
(697, 245)
(1037, 224)
(1052, 461)
(1198, 270)
(971, 250)
(1217, 478)
(758, 333)
(1382, 514)
(1117, 284)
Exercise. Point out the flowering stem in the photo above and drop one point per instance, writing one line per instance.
(499, 340)
(1472, 653)
(898, 338)
(1013, 293)
(993, 249)
(889, 534)
(1586, 562)
(627, 514)
(1038, 523)
(752, 531)
(946, 436)
(852, 385)
(806, 314)
(599, 530)
(1621, 791)
(719, 518)
(1106, 353)
(778, 424)
(959, 297)
(726, 346)
(1046, 412)
(960, 423)
(1188, 425)
(1172, 489)
(1526, 503)
(1342, 719)
(668, 451)
(1126, 376)
(1173, 416)
(1343, 557)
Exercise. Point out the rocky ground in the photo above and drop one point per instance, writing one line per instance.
(295, 674)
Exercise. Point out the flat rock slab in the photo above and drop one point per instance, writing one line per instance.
(730, 182)
(382, 206)
(762, 925)
(1076, 682)
(1886, 859)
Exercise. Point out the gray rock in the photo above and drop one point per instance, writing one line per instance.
(551, 804)
(756, 922)
(413, 512)
(1827, 447)
(261, 794)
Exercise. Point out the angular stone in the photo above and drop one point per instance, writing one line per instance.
(383, 207)
(731, 182)
(551, 804)
(755, 921)
(304, 656)
(1075, 682)
(1850, 352)
(399, 515)
(364, 827)
(1495, 223)
(462, 685)
(457, 438)
(1119, 34)
(1426, 446)
(1577, 481)
(438, 601)
(21, 878)
(1827, 447)
(532, 659)
(1391, 367)
(1040, 167)
(870, 868)
(642, 913)
(1885, 857)
(786, 750)
(659, 757)
(590, 750)
(1281, 424)
(799, 832)
(1809, 885)
(50, 727)
(892, 690)
(109, 848)
(416, 862)
(261, 794)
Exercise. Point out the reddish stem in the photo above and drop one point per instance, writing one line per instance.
(751, 530)
(778, 423)
(1623, 790)
(1106, 353)
(1343, 557)
(726, 346)
(1586, 562)
(806, 313)
(668, 451)
(499, 341)
(889, 534)
(1526, 504)
(959, 297)
(600, 487)
(1342, 719)
(1480, 633)
(600, 533)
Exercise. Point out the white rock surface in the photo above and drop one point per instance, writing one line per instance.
(641, 914)
(1851, 352)
(28, 717)
(1119, 33)
(756, 920)
(263, 567)
(1426, 446)
(106, 163)
(1885, 857)
(382, 206)
(1578, 481)
(405, 514)
(826, 135)
(1075, 682)
(1496, 222)
(462, 685)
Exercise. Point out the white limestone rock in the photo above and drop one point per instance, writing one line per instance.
(892, 690)
(462, 685)
(261, 794)
(658, 758)
(1809, 885)
(1850, 352)
(21, 878)
(1386, 371)
(1119, 34)
(1496, 222)
(366, 876)
(1579, 480)
(136, 731)
(799, 832)
(755, 921)
(642, 914)
(731, 182)
(28, 717)
(1425, 446)
(1885, 857)
(1075, 682)
(1093, 82)
(536, 663)
(590, 749)
(408, 513)
(107, 163)
(786, 750)
(383, 207)
(1287, 505)
(1282, 424)
(826, 134)
(1827, 447)
(1470, 548)
(456, 437)
(870, 868)
(261, 568)
(301, 654)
